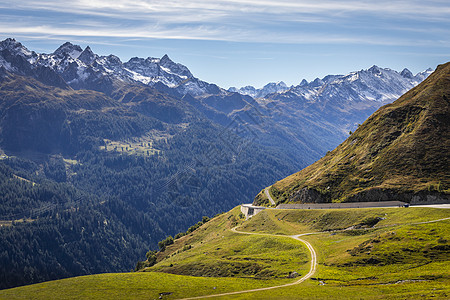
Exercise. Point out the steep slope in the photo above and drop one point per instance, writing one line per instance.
(400, 152)
(47, 119)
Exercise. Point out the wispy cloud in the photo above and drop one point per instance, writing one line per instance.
(282, 21)
(214, 8)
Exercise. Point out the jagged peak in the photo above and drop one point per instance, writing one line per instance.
(114, 58)
(12, 44)
(136, 59)
(87, 56)
(317, 82)
(165, 58)
(304, 82)
(68, 49)
(374, 69)
(406, 73)
(278, 84)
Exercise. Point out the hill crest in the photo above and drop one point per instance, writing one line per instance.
(399, 153)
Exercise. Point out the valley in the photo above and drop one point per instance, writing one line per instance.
(103, 161)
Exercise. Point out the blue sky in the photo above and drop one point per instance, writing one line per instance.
(243, 42)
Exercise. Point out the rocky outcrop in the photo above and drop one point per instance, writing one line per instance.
(307, 195)
(372, 195)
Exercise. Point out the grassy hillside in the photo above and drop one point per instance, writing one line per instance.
(383, 254)
(400, 152)
(214, 251)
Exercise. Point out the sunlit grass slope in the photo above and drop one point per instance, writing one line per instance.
(213, 250)
(385, 253)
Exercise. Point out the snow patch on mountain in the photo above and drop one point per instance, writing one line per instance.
(85, 69)
(270, 88)
(373, 84)
(77, 67)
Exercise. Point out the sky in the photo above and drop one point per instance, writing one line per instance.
(243, 42)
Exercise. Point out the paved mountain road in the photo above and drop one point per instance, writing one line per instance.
(266, 191)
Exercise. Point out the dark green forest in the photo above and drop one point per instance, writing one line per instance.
(76, 200)
(105, 212)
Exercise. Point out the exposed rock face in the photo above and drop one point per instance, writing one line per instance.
(306, 195)
(374, 195)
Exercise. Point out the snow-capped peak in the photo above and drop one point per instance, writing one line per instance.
(374, 84)
(9, 43)
(303, 82)
(15, 46)
(165, 59)
(87, 56)
(175, 68)
(407, 73)
(68, 49)
(424, 74)
(271, 87)
(375, 70)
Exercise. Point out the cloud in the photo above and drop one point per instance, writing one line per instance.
(221, 7)
(281, 21)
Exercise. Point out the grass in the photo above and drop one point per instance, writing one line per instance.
(278, 221)
(213, 250)
(138, 285)
(137, 146)
(393, 260)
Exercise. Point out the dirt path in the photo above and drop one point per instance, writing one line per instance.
(311, 272)
(266, 191)
(313, 261)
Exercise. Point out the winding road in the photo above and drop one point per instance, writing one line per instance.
(266, 191)
(311, 272)
(313, 255)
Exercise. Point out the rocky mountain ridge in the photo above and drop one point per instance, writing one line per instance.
(379, 84)
(83, 69)
(303, 121)
(399, 153)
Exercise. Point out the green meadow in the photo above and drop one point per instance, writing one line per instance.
(376, 253)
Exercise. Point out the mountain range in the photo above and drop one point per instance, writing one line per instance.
(398, 153)
(305, 120)
(118, 155)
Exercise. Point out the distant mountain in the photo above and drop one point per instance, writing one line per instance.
(270, 88)
(399, 153)
(320, 113)
(83, 69)
(375, 84)
(302, 121)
